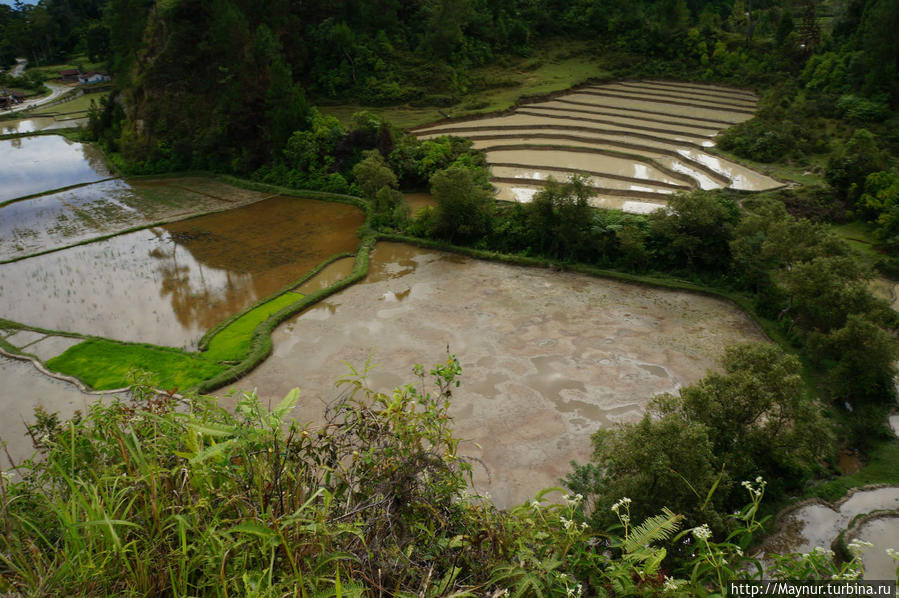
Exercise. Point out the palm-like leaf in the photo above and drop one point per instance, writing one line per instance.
(653, 529)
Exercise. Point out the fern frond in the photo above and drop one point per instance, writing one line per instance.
(653, 529)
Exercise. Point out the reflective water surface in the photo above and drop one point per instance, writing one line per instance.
(30, 165)
(168, 285)
(547, 357)
(60, 219)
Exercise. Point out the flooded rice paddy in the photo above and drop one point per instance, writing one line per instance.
(168, 285)
(882, 532)
(38, 123)
(547, 357)
(651, 132)
(24, 389)
(817, 525)
(61, 219)
(30, 165)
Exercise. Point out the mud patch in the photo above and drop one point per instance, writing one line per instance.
(547, 357)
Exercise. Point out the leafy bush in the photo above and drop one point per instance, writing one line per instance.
(158, 496)
(862, 110)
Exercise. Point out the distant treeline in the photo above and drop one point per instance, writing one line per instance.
(225, 84)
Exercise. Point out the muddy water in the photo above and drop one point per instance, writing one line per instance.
(622, 141)
(595, 181)
(67, 217)
(524, 193)
(817, 525)
(333, 272)
(38, 123)
(168, 285)
(883, 533)
(573, 118)
(547, 357)
(581, 161)
(23, 389)
(625, 118)
(31, 165)
(741, 177)
(524, 124)
(659, 107)
(645, 118)
(700, 88)
(660, 94)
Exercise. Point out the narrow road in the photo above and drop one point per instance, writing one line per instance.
(55, 92)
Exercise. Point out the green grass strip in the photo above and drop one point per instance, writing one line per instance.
(105, 364)
(233, 341)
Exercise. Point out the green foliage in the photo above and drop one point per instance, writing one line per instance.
(880, 204)
(560, 218)
(694, 232)
(372, 174)
(851, 164)
(464, 207)
(687, 451)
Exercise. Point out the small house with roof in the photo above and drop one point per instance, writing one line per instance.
(69, 75)
(92, 77)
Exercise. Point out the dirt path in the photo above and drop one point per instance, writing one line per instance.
(19, 68)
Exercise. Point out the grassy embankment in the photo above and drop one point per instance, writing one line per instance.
(226, 352)
(51, 71)
(229, 350)
(498, 86)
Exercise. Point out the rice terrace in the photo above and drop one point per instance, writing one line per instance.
(447, 299)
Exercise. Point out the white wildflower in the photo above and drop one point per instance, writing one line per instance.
(535, 504)
(624, 502)
(702, 532)
(575, 500)
(893, 554)
(671, 584)
(857, 547)
(755, 491)
(566, 522)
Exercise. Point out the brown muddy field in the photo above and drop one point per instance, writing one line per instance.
(168, 285)
(547, 357)
(664, 123)
(68, 217)
(30, 165)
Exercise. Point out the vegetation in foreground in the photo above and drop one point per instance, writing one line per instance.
(155, 497)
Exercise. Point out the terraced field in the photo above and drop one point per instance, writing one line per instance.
(636, 141)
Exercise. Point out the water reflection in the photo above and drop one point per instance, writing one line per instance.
(547, 357)
(38, 123)
(168, 285)
(67, 217)
(30, 165)
(23, 389)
